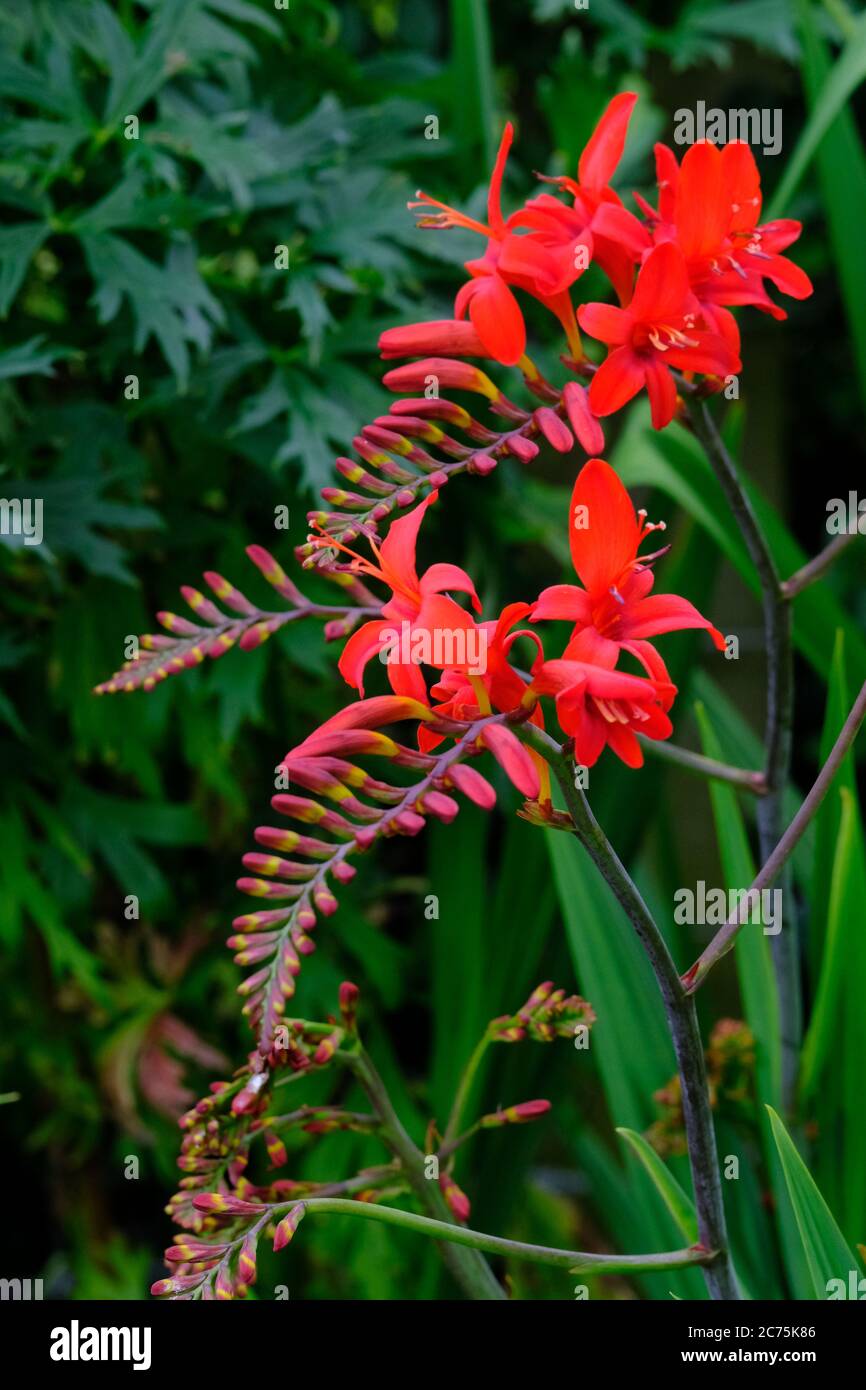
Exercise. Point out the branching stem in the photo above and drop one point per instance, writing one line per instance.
(679, 1010)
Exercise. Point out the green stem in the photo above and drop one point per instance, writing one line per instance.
(577, 1261)
(461, 1099)
(744, 778)
(468, 1266)
(679, 1010)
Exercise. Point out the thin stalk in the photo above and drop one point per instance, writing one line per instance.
(726, 935)
(679, 1011)
(777, 731)
(818, 567)
(462, 1097)
(467, 1265)
(577, 1261)
(744, 778)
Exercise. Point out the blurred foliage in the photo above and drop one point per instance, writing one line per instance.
(165, 385)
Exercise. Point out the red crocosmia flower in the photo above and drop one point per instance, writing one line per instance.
(419, 602)
(544, 265)
(494, 312)
(710, 206)
(465, 694)
(614, 611)
(618, 238)
(601, 707)
(657, 331)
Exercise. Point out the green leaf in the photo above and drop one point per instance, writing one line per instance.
(835, 1042)
(678, 1202)
(614, 975)
(841, 168)
(134, 82)
(742, 747)
(843, 80)
(826, 823)
(825, 1250)
(18, 246)
(170, 303)
(31, 359)
(847, 882)
(473, 78)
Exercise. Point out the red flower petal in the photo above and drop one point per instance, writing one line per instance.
(604, 148)
(608, 541)
(494, 193)
(555, 431)
(513, 758)
(617, 381)
(397, 551)
(703, 213)
(440, 577)
(360, 648)
(496, 317)
(564, 601)
(662, 392)
(662, 289)
(440, 337)
(665, 613)
(472, 784)
(582, 421)
(605, 322)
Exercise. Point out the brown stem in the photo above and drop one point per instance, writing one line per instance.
(726, 935)
(777, 732)
(816, 568)
(680, 1013)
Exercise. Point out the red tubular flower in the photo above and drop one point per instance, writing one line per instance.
(419, 602)
(466, 695)
(614, 611)
(493, 310)
(545, 261)
(618, 239)
(601, 707)
(710, 206)
(656, 332)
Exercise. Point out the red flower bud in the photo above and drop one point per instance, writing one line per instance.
(289, 1224)
(223, 1204)
(585, 425)
(457, 1200)
(349, 996)
(516, 1114)
(442, 337)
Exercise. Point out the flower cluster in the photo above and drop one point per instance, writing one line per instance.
(470, 685)
(222, 1212)
(676, 272)
(612, 614)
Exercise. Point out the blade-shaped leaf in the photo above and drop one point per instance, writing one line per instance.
(825, 1251)
(678, 1202)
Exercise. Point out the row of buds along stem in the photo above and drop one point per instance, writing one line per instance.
(407, 451)
(187, 643)
(349, 810)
